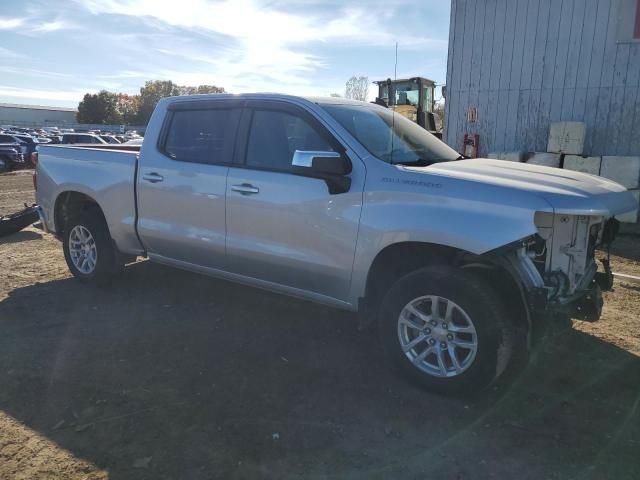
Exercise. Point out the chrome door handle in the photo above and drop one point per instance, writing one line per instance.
(245, 189)
(152, 177)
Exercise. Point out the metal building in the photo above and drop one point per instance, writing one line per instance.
(515, 66)
(35, 115)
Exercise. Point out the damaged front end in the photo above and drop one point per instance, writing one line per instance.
(558, 267)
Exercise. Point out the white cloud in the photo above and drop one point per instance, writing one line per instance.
(256, 45)
(33, 72)
(52, 26)
(8, 23)
(32, 93)
(34, 25)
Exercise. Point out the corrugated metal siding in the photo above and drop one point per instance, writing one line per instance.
(526, 63)
(20, 115)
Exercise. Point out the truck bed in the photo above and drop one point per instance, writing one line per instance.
(104, 173)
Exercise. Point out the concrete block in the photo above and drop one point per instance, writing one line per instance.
(631, 217)
(566, 137)
(544, 158)
(624, 170)
(583, 164)
(510, 156)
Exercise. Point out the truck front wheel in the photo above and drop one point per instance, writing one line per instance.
(88, 248)
(446, 330)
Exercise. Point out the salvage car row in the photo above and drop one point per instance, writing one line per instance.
(18, 145)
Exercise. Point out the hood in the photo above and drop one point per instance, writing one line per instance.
(566, 191)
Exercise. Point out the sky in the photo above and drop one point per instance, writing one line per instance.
(53, 52)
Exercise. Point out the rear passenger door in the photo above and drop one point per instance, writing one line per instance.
(182, 183)
(283, 227)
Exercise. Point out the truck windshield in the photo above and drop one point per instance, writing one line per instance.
(391, 137)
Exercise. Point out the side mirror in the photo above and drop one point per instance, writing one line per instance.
(322, 162)
(332, 167)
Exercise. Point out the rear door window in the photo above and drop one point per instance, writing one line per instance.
(201, 136)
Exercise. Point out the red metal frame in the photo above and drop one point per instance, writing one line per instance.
(471, 145)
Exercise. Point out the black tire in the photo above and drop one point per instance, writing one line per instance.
(15, 222)
(494, 330)
(5, 164)
(108, 263)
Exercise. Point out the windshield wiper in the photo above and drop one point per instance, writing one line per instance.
(419, 162)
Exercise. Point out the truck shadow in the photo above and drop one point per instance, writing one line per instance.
(22, 236)
(215, 380)
(626, 246)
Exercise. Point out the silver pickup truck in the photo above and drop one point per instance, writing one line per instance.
(347, 204)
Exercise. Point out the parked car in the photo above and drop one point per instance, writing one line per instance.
(55, 139)
(70, 138)
(348, 204)
(11, 158)
(29, 141)
(25, 148)
(110, 139)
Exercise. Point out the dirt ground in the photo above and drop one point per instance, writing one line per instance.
(174, 375)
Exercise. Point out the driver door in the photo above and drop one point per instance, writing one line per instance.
(283, 227)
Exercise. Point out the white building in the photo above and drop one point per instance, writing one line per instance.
(35, 115)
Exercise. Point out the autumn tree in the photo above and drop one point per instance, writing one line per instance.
(357, 88)
(200, 89)
(154, 90)
(117, 108)
(127, 108)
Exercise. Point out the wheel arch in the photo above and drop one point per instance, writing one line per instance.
(69, 205)
(399, 259)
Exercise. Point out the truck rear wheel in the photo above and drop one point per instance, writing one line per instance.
(88, 248)
(446, 330)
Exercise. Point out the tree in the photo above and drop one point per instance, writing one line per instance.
(98, 108)
(154, 90)
(357, 88)
(200, 89)
(127, 107)
(439, 112)
(150, 95)
(89, 109)
(117, 108)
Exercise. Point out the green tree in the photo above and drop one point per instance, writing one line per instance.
(89, 109)
(98, 108)
(152, 92)
(200, 89)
